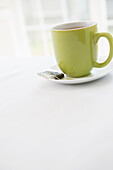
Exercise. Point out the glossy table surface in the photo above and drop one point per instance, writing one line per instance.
(49, 126)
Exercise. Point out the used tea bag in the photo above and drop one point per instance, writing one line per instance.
(51, 75)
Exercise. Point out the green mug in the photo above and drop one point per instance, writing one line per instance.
(75, 47)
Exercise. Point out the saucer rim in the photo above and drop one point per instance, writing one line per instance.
(106, 70)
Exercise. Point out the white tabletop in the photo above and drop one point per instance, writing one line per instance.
(48, 126)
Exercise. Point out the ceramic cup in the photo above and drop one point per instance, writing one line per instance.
(75, 47)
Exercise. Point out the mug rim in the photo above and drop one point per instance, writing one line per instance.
(65, 26)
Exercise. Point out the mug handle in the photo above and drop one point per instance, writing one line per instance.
(110, 40)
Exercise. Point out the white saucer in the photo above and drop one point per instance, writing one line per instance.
(96, 73)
